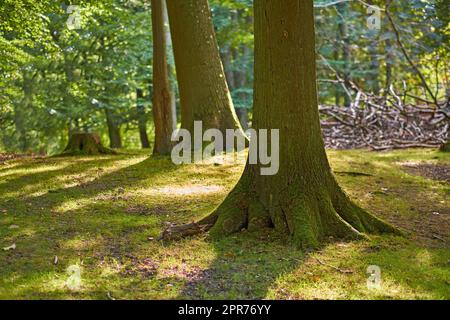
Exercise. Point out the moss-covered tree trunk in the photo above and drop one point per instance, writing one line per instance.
(162, 105)
(303, 199)
(142, 119)
(203, 89)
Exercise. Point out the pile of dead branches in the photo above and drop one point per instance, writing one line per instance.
(383, 123)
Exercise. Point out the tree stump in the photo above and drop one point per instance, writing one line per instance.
(86, 144)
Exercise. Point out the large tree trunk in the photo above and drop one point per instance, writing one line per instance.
(162, 106)
(115, 139)
(142, 119)
(303, 199)
(203, 89)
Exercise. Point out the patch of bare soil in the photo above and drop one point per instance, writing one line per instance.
(147, 268)
(439, 172)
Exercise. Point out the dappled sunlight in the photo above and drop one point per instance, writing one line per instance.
(186, 190)
(339, 271)
(105, 216)
(31, 170)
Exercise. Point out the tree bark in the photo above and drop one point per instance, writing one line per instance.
(303, 199)
(204, 93)
(162, 105)
(389, 64)
(115, 139)
(170, 68)
(20, 111)
(142, 120)
(342, 9)
(374, 67)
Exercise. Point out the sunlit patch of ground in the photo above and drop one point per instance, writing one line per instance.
(102, 215)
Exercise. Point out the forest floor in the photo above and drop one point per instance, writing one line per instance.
(103, 214)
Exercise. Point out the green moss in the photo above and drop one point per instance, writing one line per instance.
(104, 208)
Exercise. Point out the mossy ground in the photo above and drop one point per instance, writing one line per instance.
(102, 212)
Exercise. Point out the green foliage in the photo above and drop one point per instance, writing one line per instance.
(72, 75)
(55, 80)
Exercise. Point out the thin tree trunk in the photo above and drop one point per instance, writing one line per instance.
(374, 67)
(337, 88)
(20, 111)
(389, 64)
(162, 105)
(241, 80)
(204, 92)
(227, 58)
(142, 120)
(115, 139)
(343, 30)
(303, 199)
(171, 68)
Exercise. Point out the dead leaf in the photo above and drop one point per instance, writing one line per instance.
(55, 260)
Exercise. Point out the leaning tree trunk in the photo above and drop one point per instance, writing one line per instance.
(162, 105)
(303, 199)
(203, 89)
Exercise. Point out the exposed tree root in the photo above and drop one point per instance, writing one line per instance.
(308, 219)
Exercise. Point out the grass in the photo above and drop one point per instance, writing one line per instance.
(103, 214)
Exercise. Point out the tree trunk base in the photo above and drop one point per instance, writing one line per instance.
(308, 219)
(86, 144)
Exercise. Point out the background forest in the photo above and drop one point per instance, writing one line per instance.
(366, 217)
(97, 77)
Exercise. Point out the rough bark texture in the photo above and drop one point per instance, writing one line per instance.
(303, 199)
(203, 89)
(86, 144)
(162, 105)
(142, 120)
